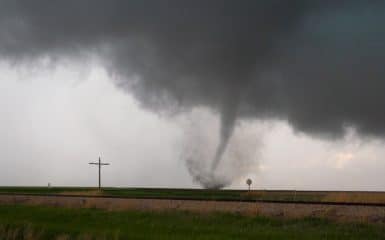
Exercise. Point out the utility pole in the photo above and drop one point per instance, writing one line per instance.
(99, 163)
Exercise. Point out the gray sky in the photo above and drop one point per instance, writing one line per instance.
(55, 120)
(290, 93)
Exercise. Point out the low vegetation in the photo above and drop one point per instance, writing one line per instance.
(36, 222)
(271, 195)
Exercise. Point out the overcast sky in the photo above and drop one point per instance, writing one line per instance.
(188, 93)
(56, 120)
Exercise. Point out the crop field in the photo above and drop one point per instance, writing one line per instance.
(39, 222)
(202, 194)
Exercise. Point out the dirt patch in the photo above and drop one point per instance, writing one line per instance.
(371, 214)
(355, 197)
(83, 193)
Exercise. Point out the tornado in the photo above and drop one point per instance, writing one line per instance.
(228, 120)
(302, 62)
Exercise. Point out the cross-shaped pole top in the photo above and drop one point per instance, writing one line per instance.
(99, 163)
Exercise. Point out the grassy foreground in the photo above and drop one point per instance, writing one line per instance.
(32, 222)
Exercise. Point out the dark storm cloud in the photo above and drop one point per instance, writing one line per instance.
(317, 64)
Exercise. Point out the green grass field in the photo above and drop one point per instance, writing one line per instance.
(203, 194)
(27, 222)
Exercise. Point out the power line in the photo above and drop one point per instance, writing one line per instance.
(100, 164)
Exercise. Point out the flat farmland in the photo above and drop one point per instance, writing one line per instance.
(204, 194)
(64, 213)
